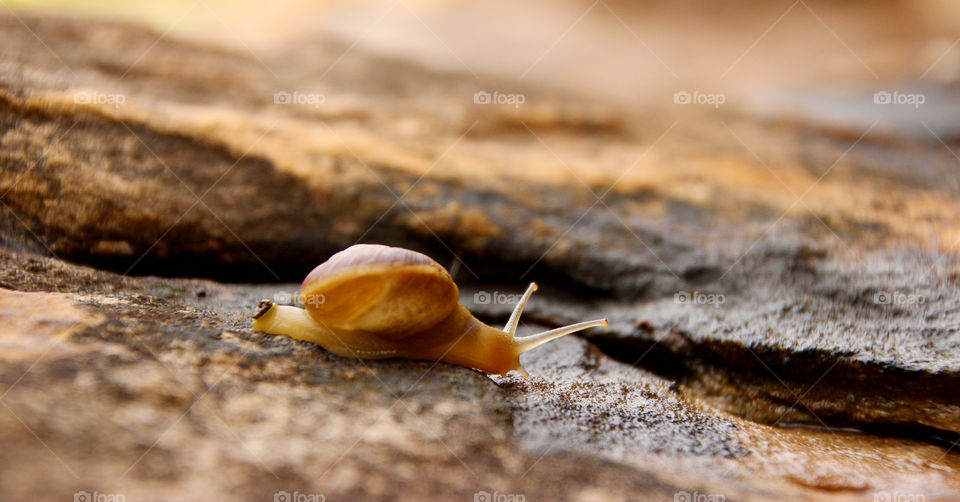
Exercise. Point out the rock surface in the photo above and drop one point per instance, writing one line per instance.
(783, 295)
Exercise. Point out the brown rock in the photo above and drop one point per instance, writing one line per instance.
(760, 347)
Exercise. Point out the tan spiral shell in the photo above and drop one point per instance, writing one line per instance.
(391, 291)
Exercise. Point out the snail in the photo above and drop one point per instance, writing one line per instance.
(374, 302)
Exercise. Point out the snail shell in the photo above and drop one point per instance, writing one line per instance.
(393, 292)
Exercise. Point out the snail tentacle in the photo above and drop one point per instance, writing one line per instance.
(511, 326)
(533, 341)
(262, 308)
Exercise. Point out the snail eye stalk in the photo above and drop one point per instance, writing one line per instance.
(530, 342)
(511, 326)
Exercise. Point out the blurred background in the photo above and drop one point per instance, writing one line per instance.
(803, 57)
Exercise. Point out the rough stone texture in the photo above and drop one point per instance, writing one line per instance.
(159, 390)
(819, 376)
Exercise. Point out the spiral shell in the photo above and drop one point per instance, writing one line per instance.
(393, 292)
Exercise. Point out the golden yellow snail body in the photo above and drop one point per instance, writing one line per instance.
(372, 301)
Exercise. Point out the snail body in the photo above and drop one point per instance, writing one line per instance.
(375, 302)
